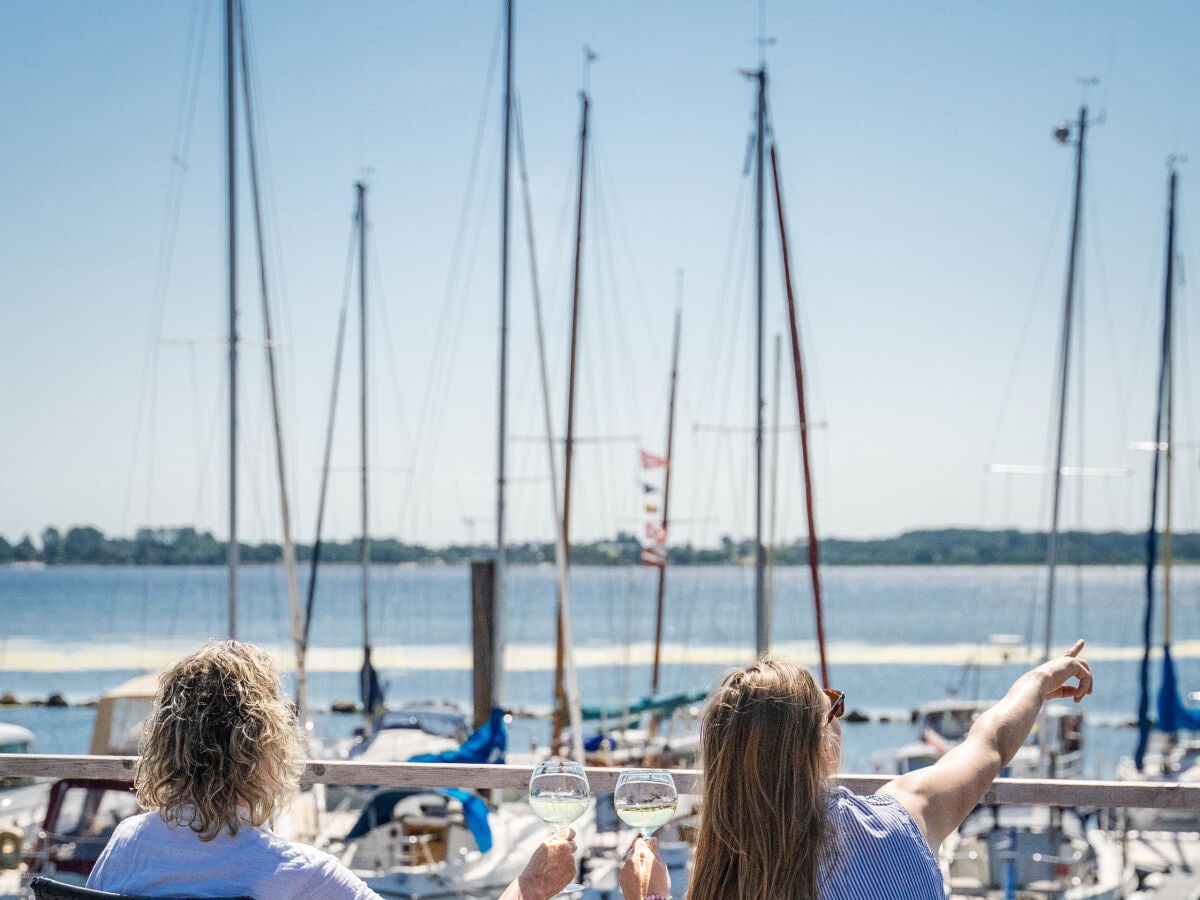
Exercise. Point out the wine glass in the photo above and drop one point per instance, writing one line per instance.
(559, 794)
(645, 799)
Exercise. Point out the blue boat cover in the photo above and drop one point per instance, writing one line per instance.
(1172, 714)
(485, 747)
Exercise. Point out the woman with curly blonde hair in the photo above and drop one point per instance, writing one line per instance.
(773, 826)
(220, 754)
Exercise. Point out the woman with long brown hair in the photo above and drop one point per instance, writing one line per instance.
(773, 825)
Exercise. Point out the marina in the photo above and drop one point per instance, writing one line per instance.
(518, 615)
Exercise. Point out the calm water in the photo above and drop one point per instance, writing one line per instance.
(898, 636)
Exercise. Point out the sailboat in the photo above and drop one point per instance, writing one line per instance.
(1168, 746)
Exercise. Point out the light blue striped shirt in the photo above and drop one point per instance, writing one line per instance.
(878, 852)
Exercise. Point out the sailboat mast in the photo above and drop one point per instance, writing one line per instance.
(364, 553)
(814, 557)
(1064, 369)
(231, 552)
(500, 589)
(1169, 387)
(569, 443)
(299, 638)
(662, 569)
(1162, 412)
(762, 643)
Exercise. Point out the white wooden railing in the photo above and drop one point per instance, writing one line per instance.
(1020, 791)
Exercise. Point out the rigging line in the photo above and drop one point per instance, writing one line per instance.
(608, 294)
(728, 297)
(716, 462)
(175, 181)
(535, 286)
(249, 98)
(731, 337)
(1030, 311)
(1120, 384)
(197, 429)
(609, 201)
(598, 365)
(612, 200)
(442, 405)
(267, 221)
(209, 445)
(448, 307)
(381, 303)
(328, 452)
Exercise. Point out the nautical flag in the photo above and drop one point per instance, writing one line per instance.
(650, 489)
(653, 556)
(653, 460)
(656, 533)
(651, 507)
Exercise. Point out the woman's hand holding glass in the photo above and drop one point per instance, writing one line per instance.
(559, 794)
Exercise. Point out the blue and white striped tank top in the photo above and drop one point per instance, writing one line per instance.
(878, 852)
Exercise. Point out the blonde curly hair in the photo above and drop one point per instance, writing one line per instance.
(220, 737)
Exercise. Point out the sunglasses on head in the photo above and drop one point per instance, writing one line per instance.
(837, 704)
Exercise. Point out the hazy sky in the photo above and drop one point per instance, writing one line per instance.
(927, 202)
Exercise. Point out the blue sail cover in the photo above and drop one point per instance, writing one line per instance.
(485, 747)
(1172, 714)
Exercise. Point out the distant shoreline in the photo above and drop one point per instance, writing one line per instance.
(85, 545)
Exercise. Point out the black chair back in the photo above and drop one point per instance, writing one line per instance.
(48, 889)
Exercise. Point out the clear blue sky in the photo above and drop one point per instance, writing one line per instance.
(927, 202)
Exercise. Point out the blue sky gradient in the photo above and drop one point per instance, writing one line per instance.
(927, 202)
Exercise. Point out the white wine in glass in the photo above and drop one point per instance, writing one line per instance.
(558, 795)
(645, 799)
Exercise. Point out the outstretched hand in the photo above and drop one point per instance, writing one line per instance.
(548, 871)
(1060, 670)
(644, 873)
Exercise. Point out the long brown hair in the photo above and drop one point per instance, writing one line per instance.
(220, 737)
(766, 755)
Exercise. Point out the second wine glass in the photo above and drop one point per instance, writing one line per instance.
(645, 799)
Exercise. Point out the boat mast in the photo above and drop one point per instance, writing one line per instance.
(662, 569)
(231, 551)
(1163, 409)
(299, 638)
(772, 518)
(1063, 134)
(569, 443)
(762, 644)
(814, 558)
(500, 589)
(369, 683)
(1169, 377)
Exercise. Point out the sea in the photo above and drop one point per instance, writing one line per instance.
(896, 637)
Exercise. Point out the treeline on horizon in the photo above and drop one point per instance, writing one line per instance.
(85, 545)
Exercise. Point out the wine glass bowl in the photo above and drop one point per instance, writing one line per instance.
(645, 799)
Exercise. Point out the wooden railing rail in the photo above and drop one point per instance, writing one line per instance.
(1019, 791)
